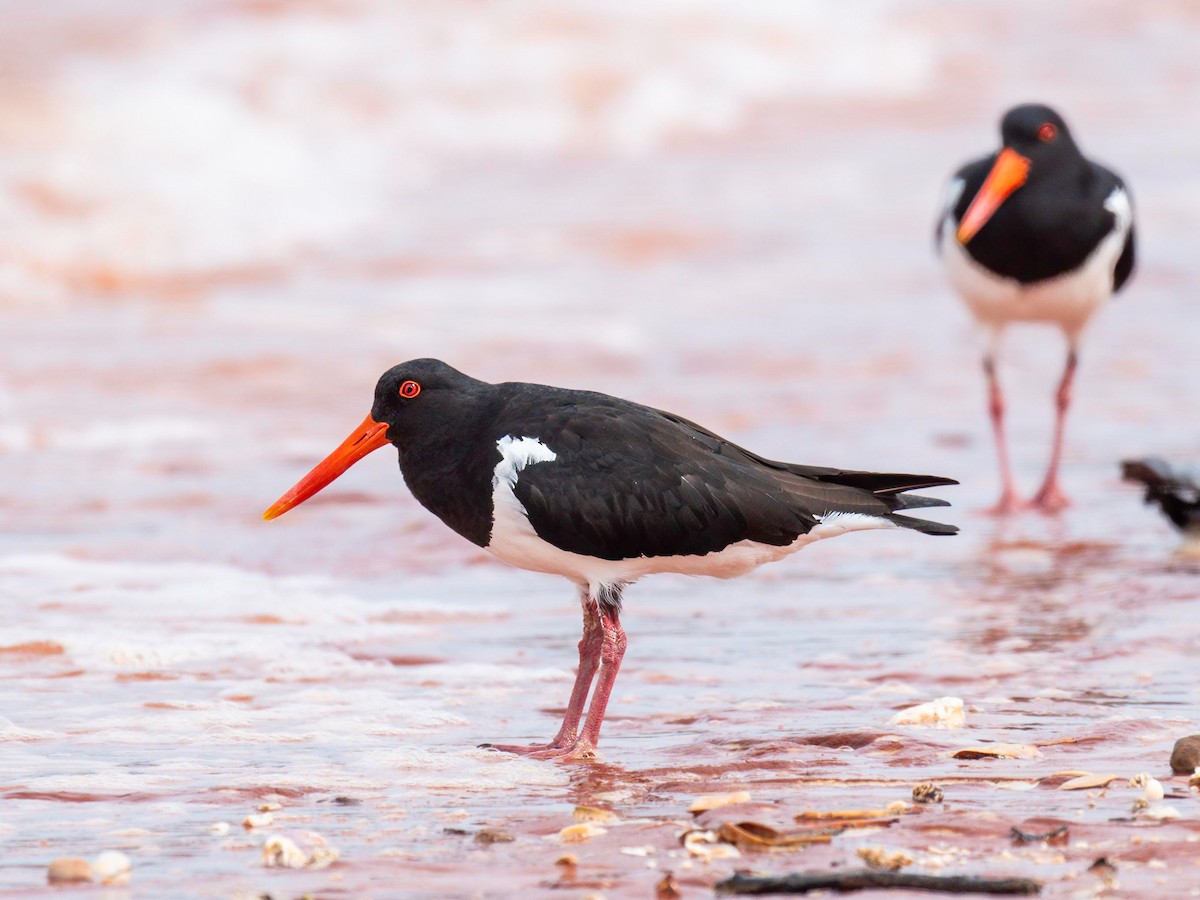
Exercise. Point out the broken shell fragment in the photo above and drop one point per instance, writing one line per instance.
(312, 852)
(667, 888)
(1105, 871)
(715, 801)
(647, 850)
(998, 751)
(594, 814)
(577, 834)
(1154, 789)
(1086, 781)
(855, 817)
(705, 845)
(889, 860)
(112, 867)
(68, 869)
(927, 792)
(945, 712)
(283, 851)
(261, 820)
(757, 836)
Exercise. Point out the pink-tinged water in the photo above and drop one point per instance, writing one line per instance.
(223, 222)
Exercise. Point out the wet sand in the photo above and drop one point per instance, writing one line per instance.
(722, 217)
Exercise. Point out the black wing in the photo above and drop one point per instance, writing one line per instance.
(632, 481)
(1176, 490)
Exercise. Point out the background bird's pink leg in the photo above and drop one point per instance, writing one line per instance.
(590, 648)
(1050, 496)
(1009, 501)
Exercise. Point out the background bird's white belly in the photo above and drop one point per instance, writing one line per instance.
(1068, 300)
(515, 542)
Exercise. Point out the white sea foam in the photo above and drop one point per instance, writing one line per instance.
(229, 141)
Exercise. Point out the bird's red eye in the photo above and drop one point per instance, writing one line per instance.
(1047, 133)
(409, 389)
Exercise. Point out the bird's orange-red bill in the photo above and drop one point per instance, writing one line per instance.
(1009, 172)
(369, 436)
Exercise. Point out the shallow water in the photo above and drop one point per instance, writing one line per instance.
(229, 220)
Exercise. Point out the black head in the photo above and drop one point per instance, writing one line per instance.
(1037, 148)
(418, 392)
(1038, 133)
(415, 397)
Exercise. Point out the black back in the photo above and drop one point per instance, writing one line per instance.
(1053, 222)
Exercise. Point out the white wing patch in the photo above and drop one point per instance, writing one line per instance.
(515, 455)
(1118, 204)
(954, 190)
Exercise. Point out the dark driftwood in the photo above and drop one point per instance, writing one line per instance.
(865, 879)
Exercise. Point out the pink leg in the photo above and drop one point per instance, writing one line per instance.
(1050, 497)
(1009, 501)
(590, 650)
(611, 654)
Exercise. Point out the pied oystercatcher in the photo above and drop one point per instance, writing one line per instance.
(602, 491)
(1035, 232)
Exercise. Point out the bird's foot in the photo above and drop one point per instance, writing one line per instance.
(566, 751)
(1050, 499)
(1008, 504)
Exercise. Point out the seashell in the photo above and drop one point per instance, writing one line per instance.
(1087, 780)
(715, 801)
(577, 834)
(112, 867)
(705, 845)
(945, 712)
(889, 860)
(284, 852)
(68, 869)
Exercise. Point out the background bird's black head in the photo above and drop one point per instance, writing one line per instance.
(420, 391)
(1037, 132)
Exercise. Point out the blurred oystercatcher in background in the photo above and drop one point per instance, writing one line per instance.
(1175, 489)
(602, 491)
(1035, 232)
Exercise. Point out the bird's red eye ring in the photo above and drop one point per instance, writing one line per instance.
(1047, 133)
(409, 389)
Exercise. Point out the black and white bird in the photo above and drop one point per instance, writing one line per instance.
(1035, 232)
(602, 491)
(1176, 490)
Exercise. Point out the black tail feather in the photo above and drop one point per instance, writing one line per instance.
(882, 484)
(925, 526)
(889, 487)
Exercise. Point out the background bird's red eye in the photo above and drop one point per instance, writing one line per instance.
(1047, 133)
(409, 389)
